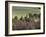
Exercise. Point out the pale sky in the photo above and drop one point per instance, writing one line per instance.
(22, 11)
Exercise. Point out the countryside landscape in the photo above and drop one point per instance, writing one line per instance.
(25, 18)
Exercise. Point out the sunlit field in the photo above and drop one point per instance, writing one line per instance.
(25, 18)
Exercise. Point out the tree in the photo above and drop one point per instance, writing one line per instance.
(26, 18)
(16, 18)
(35, 15)
(30, 15)
(21, 18)
(39, 15)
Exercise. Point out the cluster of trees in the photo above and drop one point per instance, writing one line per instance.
(31, 16)
(26, 22)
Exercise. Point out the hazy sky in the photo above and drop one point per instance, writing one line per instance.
(22, 11)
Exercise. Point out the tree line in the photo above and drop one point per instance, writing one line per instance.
(26, 18)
